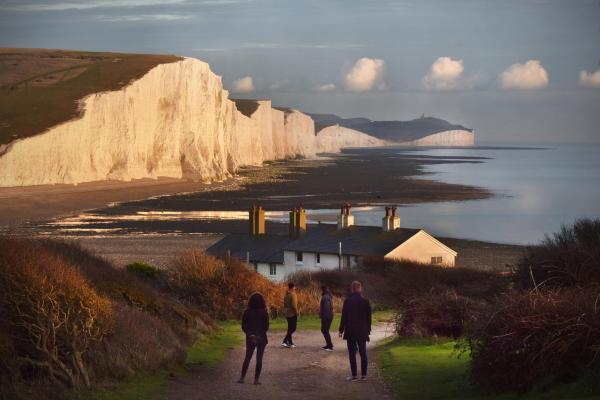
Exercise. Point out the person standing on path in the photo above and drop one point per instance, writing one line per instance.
(255, 324)
(326, 315)
(290, 310)
(355, 328)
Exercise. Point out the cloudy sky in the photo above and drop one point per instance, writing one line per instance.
(514, 70)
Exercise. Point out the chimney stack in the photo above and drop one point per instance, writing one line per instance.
(297, 222)
(257, 221)
(345, 219)
(391, 221)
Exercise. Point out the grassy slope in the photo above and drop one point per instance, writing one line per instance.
(28, 110)
(427, 369)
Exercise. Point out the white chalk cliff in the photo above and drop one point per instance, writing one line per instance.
(176, 121)
(333, 138)
(445, 138)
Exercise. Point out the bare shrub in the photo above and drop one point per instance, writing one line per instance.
(50, 314)
(570, 257)
(536, 338)
(140, 341)
(221, 287)
(436, 314)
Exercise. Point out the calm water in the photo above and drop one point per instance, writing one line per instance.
(537, 190)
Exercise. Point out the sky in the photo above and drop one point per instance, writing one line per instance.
(517, 71)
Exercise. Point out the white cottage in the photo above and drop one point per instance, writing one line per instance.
(329, 247)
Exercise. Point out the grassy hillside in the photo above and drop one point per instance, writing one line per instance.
(40, 88)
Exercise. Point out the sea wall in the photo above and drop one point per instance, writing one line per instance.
(333, 138)
(176, 121)
(446, 138)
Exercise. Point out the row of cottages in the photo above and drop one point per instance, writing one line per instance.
(327, 246)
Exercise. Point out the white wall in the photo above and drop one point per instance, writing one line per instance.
(421, 248)
(264, 270)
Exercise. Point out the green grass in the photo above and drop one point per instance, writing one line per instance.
(429, 369)
(313, 322)
(211, 349)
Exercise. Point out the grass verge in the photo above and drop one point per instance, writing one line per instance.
(429, 369)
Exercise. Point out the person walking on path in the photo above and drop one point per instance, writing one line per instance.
(255, 324)
(290, 310)
(326, 315)
(355, 328)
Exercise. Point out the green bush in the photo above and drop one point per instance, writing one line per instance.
(144, 270)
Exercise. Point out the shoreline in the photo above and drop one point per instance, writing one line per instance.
(324, 182)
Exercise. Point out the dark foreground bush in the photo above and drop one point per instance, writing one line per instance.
(51, 317)
(437, 314)
(536, 338)
(144, 270)
(570, 257)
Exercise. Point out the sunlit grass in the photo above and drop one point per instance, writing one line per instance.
(430, 369)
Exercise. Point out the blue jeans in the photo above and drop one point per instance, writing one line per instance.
(361, 345)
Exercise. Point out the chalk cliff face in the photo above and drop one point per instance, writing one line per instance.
(446, 138)
(333, 138)
(176, 121)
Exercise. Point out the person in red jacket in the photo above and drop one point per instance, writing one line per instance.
(255, 324)
(355, 328)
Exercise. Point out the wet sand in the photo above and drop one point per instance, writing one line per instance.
(359, 176)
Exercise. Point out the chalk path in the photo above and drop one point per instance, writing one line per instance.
(305, 372)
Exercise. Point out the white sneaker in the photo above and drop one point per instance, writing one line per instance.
(285, 345)
(292, 345)
(363, 378)
(352, 379)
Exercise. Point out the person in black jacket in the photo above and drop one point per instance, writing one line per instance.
(255, 324)
(355, 327)
(326, 315)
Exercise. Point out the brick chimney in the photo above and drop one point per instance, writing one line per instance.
(256, 220)
(297, 222)
(391, 221)
(345, 219)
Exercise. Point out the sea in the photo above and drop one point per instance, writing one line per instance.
(537, 190)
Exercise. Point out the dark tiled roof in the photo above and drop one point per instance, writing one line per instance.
(356, 240)
(323, 238)
(263, 248)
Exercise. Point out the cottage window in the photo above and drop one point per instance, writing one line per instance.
(299, 256)
(436, 260)
(272, 269)
(318, 258)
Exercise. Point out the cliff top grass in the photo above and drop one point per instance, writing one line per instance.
(40, 88)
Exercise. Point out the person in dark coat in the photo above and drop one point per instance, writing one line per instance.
(326, 315)
(355, 328)
(255, 324)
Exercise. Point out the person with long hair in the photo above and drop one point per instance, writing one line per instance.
(255, 324)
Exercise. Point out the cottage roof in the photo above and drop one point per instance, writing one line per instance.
(322, 238)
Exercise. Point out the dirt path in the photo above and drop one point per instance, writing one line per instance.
(306, 372)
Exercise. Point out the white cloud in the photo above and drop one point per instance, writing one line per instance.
(447, 73)
(590, 79)
(366, 74)
(528, 76)
(327, 87)
(143, 17)
(243, 85)
(28, 5)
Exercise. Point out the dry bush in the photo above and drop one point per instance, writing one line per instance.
(437, 314)
(50, 314)
(140, 342)
(536, 338)
(309, 291)
(220, 286)
(570, 257)
(122, 285)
